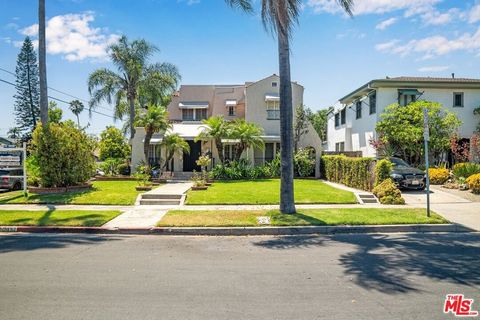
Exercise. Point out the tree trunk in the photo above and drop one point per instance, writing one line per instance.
(78, 121)
(146, 146)
(239, 148)
(30, 96)
(42, 65)
(219, 145)
(131, 101)
(287, 202)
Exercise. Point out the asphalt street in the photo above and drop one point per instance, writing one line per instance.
(401, 276)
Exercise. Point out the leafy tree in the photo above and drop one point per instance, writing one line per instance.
(279, 16)
(248, 134)
(14, 133)
(319, 121)
(174, 144)
(135, 77)
(27, 109)
(42, 53)
(77, 107)
(55, 114)
(402, 128)
(113, 145)
(154, 119)
(64, 155)
(300, 126)
(216, 129)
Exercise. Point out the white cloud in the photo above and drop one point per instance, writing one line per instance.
(474, 14)
(436, 18)
(73, 37)
(411, 7)
(433, 69)
(386, 23)
(434, 46)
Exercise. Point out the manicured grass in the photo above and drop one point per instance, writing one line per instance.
(268, 192)
(72, 218)
(306, 217)
(103, 193)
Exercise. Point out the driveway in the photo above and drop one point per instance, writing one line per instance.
(450, 206)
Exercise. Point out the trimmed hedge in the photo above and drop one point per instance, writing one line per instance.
(353, 172)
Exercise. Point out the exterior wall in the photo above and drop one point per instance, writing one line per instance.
(223, 93)
(360, 131)
(191, 93)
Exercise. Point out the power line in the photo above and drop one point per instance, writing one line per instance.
(58, 99)
(61, 92)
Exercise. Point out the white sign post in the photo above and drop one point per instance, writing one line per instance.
(12, 160)
(426, 138)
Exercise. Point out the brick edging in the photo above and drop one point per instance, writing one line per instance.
(245, 231)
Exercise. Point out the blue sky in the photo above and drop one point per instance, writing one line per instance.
(331, 54)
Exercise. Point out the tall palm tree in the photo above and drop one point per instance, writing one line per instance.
(248, 135)
(174, 144)
(279, 17)
(216, 129)
(77, 107)
(134, 72)
(42, 65)
(154, 119)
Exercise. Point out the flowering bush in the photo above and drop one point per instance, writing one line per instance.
(474, 183)
(438, 175)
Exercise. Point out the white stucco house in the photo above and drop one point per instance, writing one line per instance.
(256, 102)
(352, 124)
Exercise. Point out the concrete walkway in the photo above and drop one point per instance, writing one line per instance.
(172, 187)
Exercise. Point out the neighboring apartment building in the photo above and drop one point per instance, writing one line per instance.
(352, 124)
(256, 102)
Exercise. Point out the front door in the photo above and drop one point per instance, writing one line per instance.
(190, 160)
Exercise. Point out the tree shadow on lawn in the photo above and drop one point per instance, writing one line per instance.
(87, 220)
(386, 263)
(57, 198)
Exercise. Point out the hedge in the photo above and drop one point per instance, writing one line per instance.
(353, 172)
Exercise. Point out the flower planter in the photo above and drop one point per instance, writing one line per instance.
(42, 190)
(199, 188)
(143, 188)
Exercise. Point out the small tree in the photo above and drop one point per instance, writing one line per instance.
(174, 144)
(113, 144)
(216, 129)
(248, 135)
(55, 114)
(300, 125)
(319, 121)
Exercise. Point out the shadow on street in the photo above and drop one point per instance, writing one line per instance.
(386, 263)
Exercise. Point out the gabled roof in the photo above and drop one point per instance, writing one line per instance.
(250, 83)
(411, 82)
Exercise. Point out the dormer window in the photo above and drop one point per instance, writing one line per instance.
(231, 105)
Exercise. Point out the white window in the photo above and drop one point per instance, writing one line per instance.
(273, 110)
(187, 114)
(194, 114)
(231, 111)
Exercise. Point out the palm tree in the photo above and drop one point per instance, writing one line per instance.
(174, 144)
(154, 119)
(279, 16)
(216, 129)
(248, 135)
(77, 107)
(42, 65)
(131, 59)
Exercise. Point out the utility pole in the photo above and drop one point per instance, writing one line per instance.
(426, 138)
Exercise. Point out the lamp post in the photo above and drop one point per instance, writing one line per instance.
(426, 138)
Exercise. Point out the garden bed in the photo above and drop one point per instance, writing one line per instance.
(42, 190)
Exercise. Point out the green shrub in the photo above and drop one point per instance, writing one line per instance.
(241, 170)
(64, 155)
(110, 166)
(304, 163)
(33, 171)
(465, 169)
(383, 169)
(438, 175)
(388, 193)
(474, 183)
(352, 172)
(123, 169)
(113, 144)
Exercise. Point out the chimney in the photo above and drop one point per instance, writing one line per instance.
(453, 75)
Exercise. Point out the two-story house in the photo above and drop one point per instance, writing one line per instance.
(352, 124)
(256, 102)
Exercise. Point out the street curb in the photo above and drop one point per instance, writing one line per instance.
(245, 231)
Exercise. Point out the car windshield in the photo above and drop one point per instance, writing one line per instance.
(399, 163)
(4, 173)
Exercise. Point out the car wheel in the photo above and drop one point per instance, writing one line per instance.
(17, 186)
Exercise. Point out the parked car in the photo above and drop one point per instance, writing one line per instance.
(11, 179)
(405, 176)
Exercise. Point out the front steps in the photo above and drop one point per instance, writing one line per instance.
(367, 198)
(160, 199)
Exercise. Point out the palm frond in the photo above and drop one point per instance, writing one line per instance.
(245, 5)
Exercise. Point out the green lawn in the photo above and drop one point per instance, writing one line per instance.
(70, 218)
(268, 192)
(103, 193)
(306, 217)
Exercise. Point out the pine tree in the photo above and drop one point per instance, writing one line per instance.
(27, 108)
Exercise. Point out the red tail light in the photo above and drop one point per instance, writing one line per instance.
(5, 179)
